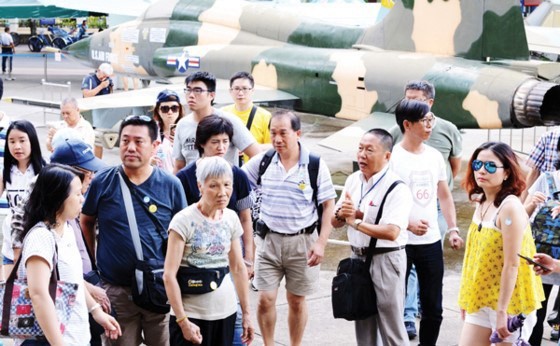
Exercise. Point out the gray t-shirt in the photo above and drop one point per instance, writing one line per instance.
(445, 138)
(185, 134)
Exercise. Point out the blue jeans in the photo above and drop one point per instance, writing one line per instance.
(428, 260)
(411, 299)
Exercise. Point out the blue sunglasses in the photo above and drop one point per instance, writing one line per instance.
(489, 166)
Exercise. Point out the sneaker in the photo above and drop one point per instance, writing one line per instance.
(554, 334)
(410, 330)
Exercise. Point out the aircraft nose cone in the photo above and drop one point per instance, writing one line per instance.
(79, 50)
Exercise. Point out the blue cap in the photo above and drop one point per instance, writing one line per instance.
(75, 152)
(167, 95)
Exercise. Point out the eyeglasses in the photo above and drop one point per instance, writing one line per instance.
(143, 118)
(166, 109)
(428, 119)
(489, 166)
(196, 91)
(238, 89)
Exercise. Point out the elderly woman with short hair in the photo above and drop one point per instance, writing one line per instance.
(206, 235)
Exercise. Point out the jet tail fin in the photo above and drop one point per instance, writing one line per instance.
(472, 29)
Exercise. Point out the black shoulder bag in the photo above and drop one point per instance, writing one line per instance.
(353, 296)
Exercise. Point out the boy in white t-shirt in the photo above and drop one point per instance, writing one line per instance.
(422, 168)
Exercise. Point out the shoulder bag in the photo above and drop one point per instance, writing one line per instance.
(546, 230)
(352, 294)
(18, 316)
(148, 290)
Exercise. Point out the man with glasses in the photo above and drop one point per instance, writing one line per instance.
(256, 119)
(156, 197)
(98, 83)
(422, 168)
(200, 92)
(447, 139)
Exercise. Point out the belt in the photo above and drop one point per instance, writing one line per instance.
(362, 251)
(306, 230)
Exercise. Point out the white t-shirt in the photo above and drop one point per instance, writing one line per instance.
(16, 191)
(6, 39)
(185, 135)
(421, 172)
(83, 128)
(40, 242)
(395, 211)
(207, 245)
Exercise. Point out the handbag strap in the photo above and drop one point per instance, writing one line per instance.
(373, 241)
(9, 288)
(131, 218)
(160, 228)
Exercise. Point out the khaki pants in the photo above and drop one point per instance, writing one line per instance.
(138, 325)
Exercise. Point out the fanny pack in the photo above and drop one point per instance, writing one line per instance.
(193, 280)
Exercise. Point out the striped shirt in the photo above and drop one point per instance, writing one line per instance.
(544, 153)
(287, 197)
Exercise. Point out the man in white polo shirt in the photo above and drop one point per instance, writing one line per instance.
(287, 243)
(358, 207)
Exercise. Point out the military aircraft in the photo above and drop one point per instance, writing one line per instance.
(475, 52)
(543, 28)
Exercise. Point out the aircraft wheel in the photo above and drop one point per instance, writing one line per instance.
(145, 83)
(59, 43)
(35, 44)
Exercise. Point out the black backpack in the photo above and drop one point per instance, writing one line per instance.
(312, 169)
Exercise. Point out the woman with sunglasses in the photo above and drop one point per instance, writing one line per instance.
(495, 283)
(167, 113)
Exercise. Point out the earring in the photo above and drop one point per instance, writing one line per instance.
(505, 178)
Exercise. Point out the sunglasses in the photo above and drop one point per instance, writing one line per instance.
(143, 118)
(489, 166)
(165, 109)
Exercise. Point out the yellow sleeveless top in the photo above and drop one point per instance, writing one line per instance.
(482, 269)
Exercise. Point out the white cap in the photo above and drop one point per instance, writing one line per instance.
(106, 68)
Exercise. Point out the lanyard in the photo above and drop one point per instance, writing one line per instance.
(368, 191)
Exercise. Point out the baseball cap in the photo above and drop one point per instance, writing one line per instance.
(167, 95)
(75, 152)
(106, 68)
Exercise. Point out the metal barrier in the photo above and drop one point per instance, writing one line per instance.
(520, 140)
(52, 89)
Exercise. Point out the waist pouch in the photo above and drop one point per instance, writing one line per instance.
(193, 280)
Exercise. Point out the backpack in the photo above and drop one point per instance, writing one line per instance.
(312, 169)
(546, 230)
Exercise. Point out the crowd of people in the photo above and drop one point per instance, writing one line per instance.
(234, 194)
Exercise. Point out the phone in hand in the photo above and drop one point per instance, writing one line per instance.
(531, 261)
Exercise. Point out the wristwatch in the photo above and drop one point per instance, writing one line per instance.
(357, 223)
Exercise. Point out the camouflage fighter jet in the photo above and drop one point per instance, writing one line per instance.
(475, 52)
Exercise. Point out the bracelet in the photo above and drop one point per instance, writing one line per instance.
(94, 307)
(179, 320)
(456, 229)
(338, 217)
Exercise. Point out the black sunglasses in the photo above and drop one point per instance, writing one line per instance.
(143, 118)
(489, 166)
(165, 109)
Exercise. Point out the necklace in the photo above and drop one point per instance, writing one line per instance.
(482, 215)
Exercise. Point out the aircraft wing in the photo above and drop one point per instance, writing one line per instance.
(543, 39)
(348, 138)
(145, 98)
